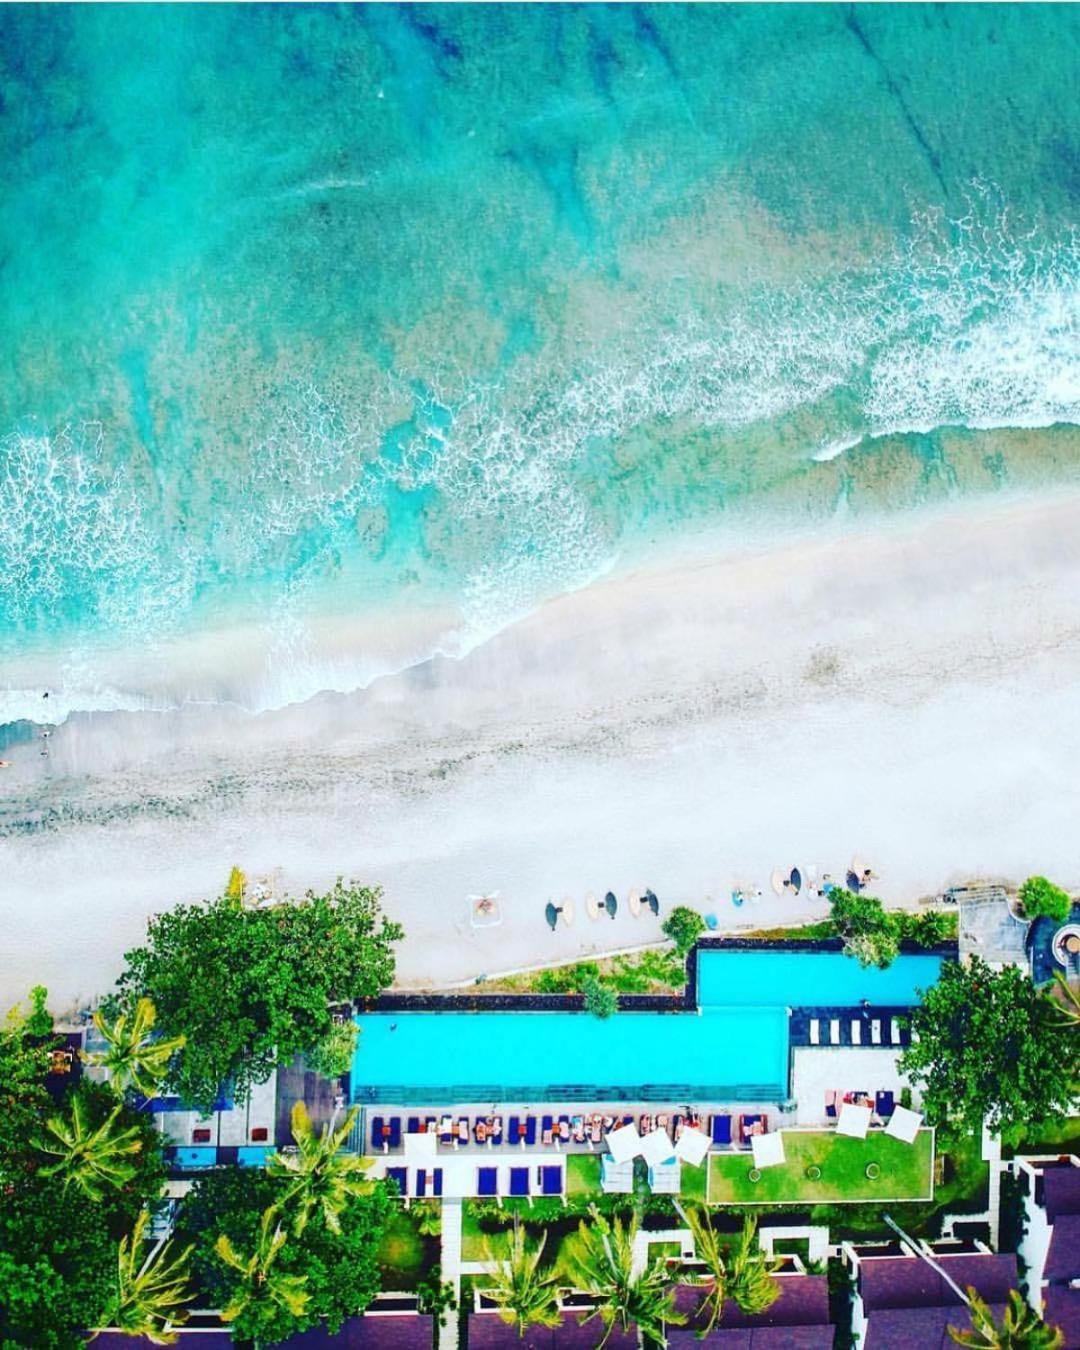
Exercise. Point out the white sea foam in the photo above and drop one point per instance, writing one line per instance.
(972, 323)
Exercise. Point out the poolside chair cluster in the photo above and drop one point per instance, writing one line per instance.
(880, 1031)
(748, 1126)
(386, 1134)
(492, 1182)
(883, 1103)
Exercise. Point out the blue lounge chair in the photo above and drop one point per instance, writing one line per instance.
(377, 1136)
(487, 1181)
(721, 1130)
(395, 1132)
(885, 1104)
(546, 1123)
(413, 1127)
(561, 1133)
(446, 1132)
(530, 1129)
(551, 1181)
(515, 1129)
(519, 1181)
(421, 1182)
(437, 1188)
(400, 1175)
(746, 1124)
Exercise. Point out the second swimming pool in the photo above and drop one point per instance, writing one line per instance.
(734, 1048)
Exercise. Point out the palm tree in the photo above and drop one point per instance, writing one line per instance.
(750, 1273)
(600, 1260)
(711, 1254)
(526, 1294)
(260, 1282)
(1019, 1329)
(134, 1058)
(149, 1297)
(1068, 1001)
(320, 1176)
(94, 1159)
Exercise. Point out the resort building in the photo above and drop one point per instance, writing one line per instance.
(902, 1302)
(241, 1133)
(1050, 1247)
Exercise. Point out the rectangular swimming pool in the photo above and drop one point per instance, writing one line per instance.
(735, 1047)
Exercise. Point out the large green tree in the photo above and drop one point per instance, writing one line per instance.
(340, 1270)
(249, 988)
(134, 1057)
(990, 1046)
(320, 1175)
(525, 1292)
(57, 1266)
(95, 1156)
(1019, 1328)
(599, 1258)
(870, 934)
(24, 1102)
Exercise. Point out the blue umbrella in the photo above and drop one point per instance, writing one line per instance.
(610, 903)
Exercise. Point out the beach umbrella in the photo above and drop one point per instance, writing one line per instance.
(652, 902)
(795, 880)
(634, 901)
(777, 881)
(592, 907)
(567, 911)
(551, 913)
(610, 903)
(853, 882)
(768, 1149)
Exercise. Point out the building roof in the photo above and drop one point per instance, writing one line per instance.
(487, 1331)
(908, 1282)
(755, 1338)
(1061, 1191)
(917, 1328)
(1063, 1258)
(396, 1331)
(1061, 1308)
(803, 1304)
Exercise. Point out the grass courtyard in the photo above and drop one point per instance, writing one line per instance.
(904, 1171)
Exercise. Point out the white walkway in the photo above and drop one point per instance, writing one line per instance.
(450, 1263)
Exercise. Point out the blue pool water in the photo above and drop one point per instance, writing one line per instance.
(735, 1047)
(739, 979)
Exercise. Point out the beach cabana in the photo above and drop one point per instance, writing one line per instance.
(692, 1146)
(656, 1147)
(624, 1144)
(666, 1177)
(768, 1149)
(904, 1124)
(616, 1178)
(854, 1120)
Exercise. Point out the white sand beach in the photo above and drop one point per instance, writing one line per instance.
(903, 691)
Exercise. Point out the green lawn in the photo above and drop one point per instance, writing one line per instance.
(582, 1174)
(905, 1171)
(405, 1254)
(1061, 1136)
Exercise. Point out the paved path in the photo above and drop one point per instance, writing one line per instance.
(450, 1262)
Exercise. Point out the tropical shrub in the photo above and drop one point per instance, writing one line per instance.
(869, 933)
(683, 926)
(1039, 896)
(600, 999)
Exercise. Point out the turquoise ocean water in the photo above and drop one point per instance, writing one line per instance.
(361, 310)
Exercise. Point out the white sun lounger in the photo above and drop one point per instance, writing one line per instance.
(856, 1031)
(815, 1031)
(875, 1032)
(834, 1031)
(894, 1031)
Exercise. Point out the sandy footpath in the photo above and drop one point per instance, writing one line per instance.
(906, 692)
